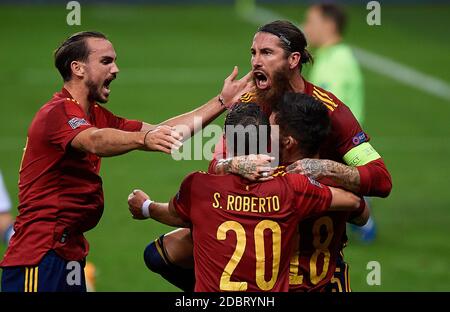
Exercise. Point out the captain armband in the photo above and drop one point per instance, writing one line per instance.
(361, 155)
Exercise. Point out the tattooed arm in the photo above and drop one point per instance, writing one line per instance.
(251, 167)
(343, 175)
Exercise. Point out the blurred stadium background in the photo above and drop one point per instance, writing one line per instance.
(174, 55)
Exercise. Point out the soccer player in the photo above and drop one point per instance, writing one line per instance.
(347, 158)
(336, 70)
(60, 190)
(6, 220)
(246, 243)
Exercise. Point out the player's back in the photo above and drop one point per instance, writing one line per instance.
(243, 231)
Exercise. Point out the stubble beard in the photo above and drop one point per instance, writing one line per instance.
(93, 93)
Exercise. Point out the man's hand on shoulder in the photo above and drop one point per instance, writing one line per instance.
(252, 167)
(313, 168)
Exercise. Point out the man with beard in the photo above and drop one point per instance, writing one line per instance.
(348, 160)
(60, 190)
(251, 224)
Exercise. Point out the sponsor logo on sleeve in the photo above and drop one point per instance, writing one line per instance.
(76, 122)
(359, 138)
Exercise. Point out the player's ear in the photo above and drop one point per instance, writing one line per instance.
(77, 68)
(289, 142)
(294, 60)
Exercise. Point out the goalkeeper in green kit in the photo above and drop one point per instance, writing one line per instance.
(336, 69)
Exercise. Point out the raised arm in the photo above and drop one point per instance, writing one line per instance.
(203, 115)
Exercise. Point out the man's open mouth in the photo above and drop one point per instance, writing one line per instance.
(261, 79)
(106, 85)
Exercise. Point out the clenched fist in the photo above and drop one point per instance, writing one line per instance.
(135, 201)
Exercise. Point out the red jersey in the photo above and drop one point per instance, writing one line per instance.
(60, 190)
(322, 238)
(320, 242)
(345, 133)
(243, 231)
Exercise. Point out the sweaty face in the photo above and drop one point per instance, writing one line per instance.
(101, 69)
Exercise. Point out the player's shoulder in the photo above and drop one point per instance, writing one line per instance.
(300, 182)
(325, 97)
(279, 171)
(196, 176)
(344, 52)
(292, 179)
(247, 97)
(58, 105)
(335, 106)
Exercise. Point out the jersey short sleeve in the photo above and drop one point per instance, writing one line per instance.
(121, 123)
(310, 196)
(63, 123)
(347, 130)
(182, 200)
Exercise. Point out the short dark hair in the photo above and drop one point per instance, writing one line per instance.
(291, 38)
(335, 13)
(305, 119)
(72, 49)
(246, 114)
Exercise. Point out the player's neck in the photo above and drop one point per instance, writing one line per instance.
(79, 93)
(331, 41)
(293, 156)
(297, 84)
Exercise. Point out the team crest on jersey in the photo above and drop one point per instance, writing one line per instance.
(75, 122)
(314, 182)
(359, 138)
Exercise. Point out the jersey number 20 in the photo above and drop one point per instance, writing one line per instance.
(225, 283)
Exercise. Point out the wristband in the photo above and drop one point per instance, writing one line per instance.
(145, 208)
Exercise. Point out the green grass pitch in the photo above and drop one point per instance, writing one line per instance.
(174, 58)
